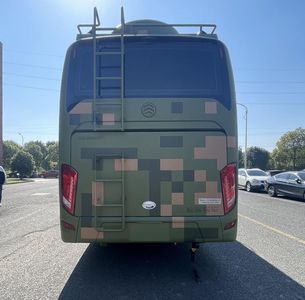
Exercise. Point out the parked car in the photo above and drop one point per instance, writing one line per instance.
(34, 174)
(13, 175)
(252, 179)
(50, 174)
(274, 172)
(287, 183)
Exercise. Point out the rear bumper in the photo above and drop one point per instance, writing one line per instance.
(153, 230)
(258, 187)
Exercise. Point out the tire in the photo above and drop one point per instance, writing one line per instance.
(272, 191)
(248, 187)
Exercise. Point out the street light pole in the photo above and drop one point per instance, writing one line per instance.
(246, 134)
(21, 137)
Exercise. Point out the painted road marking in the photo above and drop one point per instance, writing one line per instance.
(41, 194)
(287, 235)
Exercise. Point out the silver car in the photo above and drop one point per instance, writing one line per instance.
(252, 179)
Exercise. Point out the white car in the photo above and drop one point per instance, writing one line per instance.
(252, 179)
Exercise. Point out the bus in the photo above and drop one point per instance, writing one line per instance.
(147, 135)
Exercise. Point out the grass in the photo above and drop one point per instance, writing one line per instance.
(17, 180)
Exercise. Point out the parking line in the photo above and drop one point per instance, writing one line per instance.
(287, 235)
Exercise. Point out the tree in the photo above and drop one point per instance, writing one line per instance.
(35, 150)
(279, 160)
(257, 158)
(53, 152)
(23, 163)
(51, 158)
(10, 148)
(290, 150)
(240, 158)
(44, 163)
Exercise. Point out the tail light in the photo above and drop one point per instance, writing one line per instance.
(68, 187)
(228, 182)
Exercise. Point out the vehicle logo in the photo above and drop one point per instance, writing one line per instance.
(149, 205)
(148, 109)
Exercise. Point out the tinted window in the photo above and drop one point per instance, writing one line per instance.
(282, 176)
(302, 175)
(157, 67)
(293, 177)
(256, 173)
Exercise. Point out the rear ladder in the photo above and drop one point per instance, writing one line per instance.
(104, 206)
(96, 77)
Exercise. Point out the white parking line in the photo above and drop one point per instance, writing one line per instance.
(40, 194)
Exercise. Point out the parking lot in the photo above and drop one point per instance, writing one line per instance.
(266, 262)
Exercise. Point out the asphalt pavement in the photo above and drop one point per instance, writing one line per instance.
(266, 262)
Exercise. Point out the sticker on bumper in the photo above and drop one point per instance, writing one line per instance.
(209, 201)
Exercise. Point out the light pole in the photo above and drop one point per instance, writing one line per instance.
(21, 137)
(246, 134)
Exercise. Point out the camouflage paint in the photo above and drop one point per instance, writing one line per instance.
(173, 158)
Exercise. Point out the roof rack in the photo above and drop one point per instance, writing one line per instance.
(95, 29)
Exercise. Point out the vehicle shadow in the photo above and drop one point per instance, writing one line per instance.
(164, 271)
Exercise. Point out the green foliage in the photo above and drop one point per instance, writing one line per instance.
(51, 159)
(53, 153)
(43, 148)
(23, 163)
(257, 158)
(240, 158)
(10, 148)
(35, 150)
(290, 150)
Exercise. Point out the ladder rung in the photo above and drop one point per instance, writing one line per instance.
(109, 230)
(109, 180)
(108, 78)
(107, 103)
(110, 205)
(108, 53)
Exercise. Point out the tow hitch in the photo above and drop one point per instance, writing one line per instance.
(195, 247)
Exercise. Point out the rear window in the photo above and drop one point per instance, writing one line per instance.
(282, 176)
(156, 67)
(256, 173)
(302, 175)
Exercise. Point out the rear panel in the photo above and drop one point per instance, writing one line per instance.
(156, 181)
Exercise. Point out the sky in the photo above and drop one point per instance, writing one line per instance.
(265, 40)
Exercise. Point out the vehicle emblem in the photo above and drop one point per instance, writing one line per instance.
(148, 109)
(149, 205)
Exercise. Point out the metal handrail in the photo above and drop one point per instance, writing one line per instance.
(122, 66)
(97, 23)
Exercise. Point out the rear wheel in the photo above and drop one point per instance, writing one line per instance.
(248, 187)
(272, 191)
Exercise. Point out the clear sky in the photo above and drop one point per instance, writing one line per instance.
(265, 39)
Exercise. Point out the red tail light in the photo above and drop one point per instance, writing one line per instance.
(68, 187)
(228, 182)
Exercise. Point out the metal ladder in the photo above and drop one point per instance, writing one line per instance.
(118, 205)
(94, 33)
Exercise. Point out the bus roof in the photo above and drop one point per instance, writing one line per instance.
(141, 27)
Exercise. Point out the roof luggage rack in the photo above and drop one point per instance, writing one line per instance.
(95, 28)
